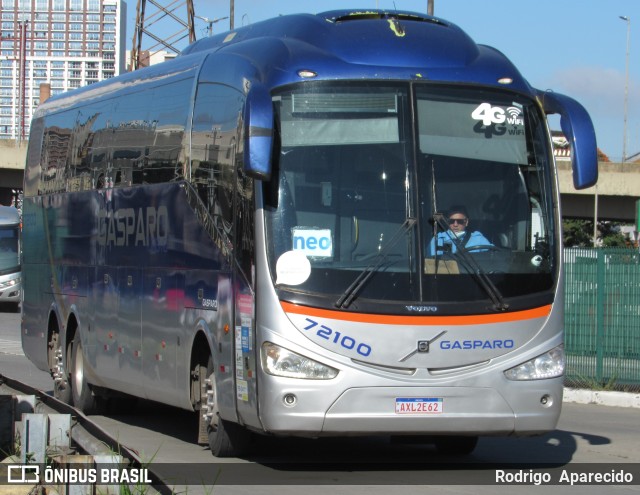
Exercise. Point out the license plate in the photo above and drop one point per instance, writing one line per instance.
(419, 405)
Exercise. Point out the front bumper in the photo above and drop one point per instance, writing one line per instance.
(529, 408)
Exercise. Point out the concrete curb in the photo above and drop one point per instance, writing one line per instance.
(600, 397)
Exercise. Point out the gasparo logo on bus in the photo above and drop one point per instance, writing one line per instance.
(477, 344)
(134, 227)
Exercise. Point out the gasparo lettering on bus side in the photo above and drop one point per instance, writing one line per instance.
(134, 227)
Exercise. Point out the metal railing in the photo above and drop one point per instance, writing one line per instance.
(602, 318)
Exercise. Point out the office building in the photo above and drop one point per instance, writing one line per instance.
(65, 43)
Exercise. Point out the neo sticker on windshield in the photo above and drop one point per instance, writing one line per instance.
(313, 242)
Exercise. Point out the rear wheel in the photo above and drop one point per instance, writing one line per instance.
(83, 397)
(453, 445)
(226, 439)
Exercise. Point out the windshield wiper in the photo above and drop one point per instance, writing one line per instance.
(352, 291)
(472, 266)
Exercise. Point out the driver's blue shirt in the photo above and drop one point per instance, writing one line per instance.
(446, 244)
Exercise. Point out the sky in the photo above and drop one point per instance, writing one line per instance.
(575, 47)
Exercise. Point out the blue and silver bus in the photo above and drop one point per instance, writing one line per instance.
(244, 232)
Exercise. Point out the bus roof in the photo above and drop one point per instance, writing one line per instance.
(358, 44)
(334, 45)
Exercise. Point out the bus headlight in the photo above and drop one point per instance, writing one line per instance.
(547, 365)
(10, 283)
(279, 361)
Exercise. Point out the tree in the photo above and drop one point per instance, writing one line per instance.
(577, 233)
(611, 235)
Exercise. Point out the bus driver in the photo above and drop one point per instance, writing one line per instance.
(458, 221)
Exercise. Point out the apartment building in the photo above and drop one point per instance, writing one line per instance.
(65, 43)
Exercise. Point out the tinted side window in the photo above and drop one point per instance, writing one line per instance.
(34, 154)
(167, 121)
(215, 132)
(131, 134)
(58, 130)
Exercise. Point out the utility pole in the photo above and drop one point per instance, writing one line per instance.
(430, 7)
(23, 79)
(626, 89)
(168, 15)
(20, 46)
(231, 14)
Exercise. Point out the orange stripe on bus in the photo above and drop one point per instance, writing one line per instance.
(541, 312)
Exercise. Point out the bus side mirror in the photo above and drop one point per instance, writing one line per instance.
(258, 121)
(578, 129)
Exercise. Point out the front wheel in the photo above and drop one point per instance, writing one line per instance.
(83, 397)
(226, 439)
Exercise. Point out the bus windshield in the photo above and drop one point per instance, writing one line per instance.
(371, 180)
(9, 254)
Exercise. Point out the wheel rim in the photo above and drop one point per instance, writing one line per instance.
(59, 375)
(211, 404)
(78, 369)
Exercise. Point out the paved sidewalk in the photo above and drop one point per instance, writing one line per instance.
(601, 397)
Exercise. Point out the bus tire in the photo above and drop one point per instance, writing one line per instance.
(83, 398)
(226, 439)
(455, 445)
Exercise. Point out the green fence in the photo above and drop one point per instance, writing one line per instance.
(602, 317)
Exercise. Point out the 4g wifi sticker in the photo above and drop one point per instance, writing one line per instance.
(490, 114)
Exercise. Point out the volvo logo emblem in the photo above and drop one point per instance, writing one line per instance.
(422, 309)
(422, 346)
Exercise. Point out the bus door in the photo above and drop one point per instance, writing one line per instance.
(246, 351)
(216, 162)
